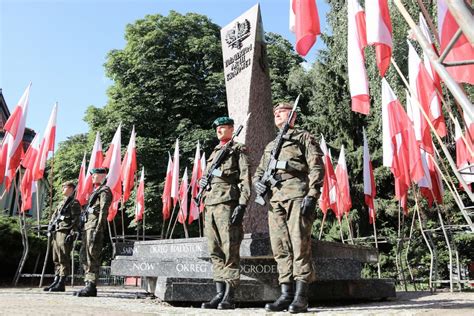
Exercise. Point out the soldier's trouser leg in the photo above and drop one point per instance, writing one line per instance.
(61, 254)
(91, 255)
(224, 242)
(290, 237)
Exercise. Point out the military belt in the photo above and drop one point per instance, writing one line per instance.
(289, 175)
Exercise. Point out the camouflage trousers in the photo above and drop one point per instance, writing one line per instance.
(290, 237)
(61, 253)
(223, 242)
(91, 255)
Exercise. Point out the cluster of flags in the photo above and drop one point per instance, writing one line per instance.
(176, 192)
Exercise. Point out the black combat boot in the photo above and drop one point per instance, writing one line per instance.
(220, 289)
(285, 299)
(56, 279)
(228, 299)
(300, 303)
(60, 286)
(89, 290)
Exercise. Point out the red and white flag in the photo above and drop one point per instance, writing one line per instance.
(113, 161)
(166, 197)
(175, 174)
(379, 32)
(328, 198)
(129, 167)
(96, 160)
(344, 202)
(81, 195)
(203, 170)
(357, 40)
(430, 185)
(183, 198)
(369, 182)
(28, 185)
(195, 176)
(12, 146)
(304, 22)
(463, 157)
(462, 49)
(140, 202)
(47, 144)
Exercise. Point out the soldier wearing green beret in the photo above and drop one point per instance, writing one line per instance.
(292, 210)
(225, 205)
(94, 219)
(65, 228)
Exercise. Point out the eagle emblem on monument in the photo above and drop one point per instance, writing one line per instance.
(235, 36)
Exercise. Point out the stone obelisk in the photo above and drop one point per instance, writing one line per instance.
(248, 91)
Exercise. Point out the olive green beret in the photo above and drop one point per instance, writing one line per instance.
(224, 120)
(100, 170)
(282, 105)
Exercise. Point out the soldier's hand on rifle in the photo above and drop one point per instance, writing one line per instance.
(92, 239)
(308, 206)
(237, 215)
(203, 182)
(260, 188)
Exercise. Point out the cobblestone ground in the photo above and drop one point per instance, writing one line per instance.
(132, 301)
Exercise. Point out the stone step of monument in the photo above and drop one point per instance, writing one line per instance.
(250, 291)
(262, 269)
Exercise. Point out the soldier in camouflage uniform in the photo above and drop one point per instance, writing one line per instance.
(225, 207)
(94, 219)
(66, 227)
(292, 210)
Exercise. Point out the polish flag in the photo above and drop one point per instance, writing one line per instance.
(95, 161)
(304, 22)
(328, 198)
(47, 144)
(183, 198)
(462, 49)
(166, 197)
(81, 182)
(28, 185)
(430, 185)
(203, 171)
(369, 182)
(344, 202)
(129, 167)
(356, 39)
(113, 162)
(470, 129)
(195, 176)
(437, 117)
(175, 174)
(379, 33)
(463, 157)
(12, 148)
(140, 202)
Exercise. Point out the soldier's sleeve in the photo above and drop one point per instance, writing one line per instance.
(244, 183)
(76, 215)
(105, 199)
(314, 158)
(261, 167)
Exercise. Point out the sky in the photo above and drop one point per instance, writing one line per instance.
(61, 46)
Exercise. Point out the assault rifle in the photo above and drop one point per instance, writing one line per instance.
(214, 170)
(85, 212)
(268, 177)
(59, 216)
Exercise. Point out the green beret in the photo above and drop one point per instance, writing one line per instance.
(224, 120)
(100, 170)
(282, 105)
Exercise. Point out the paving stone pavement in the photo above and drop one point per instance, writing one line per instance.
(132, 301)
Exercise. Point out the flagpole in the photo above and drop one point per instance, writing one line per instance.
(163, 227)
(351, 237)
(111, 239)
(322, 225)
(37, 207)
(52, 181)
(340, 230)
(170, 220)
(122, 206)
(376, 247)
(143, 223)
(398, 261)
(24, 234)
(408, 249)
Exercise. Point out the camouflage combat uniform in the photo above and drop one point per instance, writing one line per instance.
(290, 233)
(228, 191)
(95, 224)
(61, 248)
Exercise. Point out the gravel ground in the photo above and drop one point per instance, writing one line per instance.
(132, 301)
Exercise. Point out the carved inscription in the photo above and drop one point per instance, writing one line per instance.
(241, 60)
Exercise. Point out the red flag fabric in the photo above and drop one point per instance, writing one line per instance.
(306, 24)
(12, 148)
(356, 39)
(431, 186)
(328, 198)
(113, 159)
(463, 156)
(95, 161)
(81, 195)
(462, 49)
(166, 197)
(344, 202)
(183, 198)
(379, 32)
(140, 201)
(28, 186)
(175, 173)
(129, 167)
(47, 144)
(195, 176)
(369, 182)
